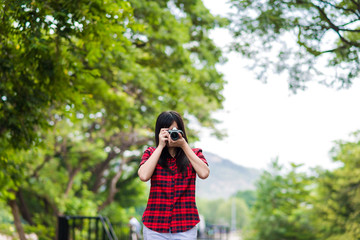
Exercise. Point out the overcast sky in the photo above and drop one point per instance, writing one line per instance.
(264, 121)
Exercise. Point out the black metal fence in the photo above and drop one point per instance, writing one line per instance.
(100, 228)
(82, 228)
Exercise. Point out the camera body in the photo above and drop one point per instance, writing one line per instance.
(174, 133)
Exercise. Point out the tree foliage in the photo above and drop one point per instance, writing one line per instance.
(338, 206)
(313, 40)
(248, 196)
(320, 206)
(282, 206)
(51, 55)
(81, 85)
(220, 211)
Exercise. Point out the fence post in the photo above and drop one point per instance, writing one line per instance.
(63, 228)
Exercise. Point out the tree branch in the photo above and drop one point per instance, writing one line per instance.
(25, 213)
(357, 4)
(124, 141)
(334, 27)
(334, 50)
(113, 190)
(99, 171)
(72, 174)
(348, 30)
(337, 7)
(345, 24)
(70, 183)
(36, 171)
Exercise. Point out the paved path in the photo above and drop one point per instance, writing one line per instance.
(234, 236)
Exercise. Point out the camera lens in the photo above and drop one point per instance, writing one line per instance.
(174, 136)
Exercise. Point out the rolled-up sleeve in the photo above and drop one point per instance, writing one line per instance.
(146, 155)
(199, 153)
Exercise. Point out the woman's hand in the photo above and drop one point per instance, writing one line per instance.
(180, 142)
(163, 137)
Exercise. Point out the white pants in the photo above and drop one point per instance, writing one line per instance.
(153, 235)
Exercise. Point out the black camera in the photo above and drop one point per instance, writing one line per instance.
(174, 133)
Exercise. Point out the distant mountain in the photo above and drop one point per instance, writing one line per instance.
(226, 178)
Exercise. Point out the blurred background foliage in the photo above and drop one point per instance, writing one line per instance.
(220, 211)
(291, 202)
(308, 40)
(319, 204)
(81, 85)
(82, 82)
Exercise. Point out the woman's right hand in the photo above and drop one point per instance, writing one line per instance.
(163, 137)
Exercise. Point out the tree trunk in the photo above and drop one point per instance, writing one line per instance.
(17, 221)
(124, 141)
(24, 210)
(113, 190)
(70, 183)
(100, 169)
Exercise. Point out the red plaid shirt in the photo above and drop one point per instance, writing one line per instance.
(171, 206)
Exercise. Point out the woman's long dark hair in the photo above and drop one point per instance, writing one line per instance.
(164, 120)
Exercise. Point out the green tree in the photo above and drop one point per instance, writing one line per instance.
(41, 70)
(338, 204)
(220, 211)
(61, 175)
(233, 207)
(282, 209)
(48, 55)
(313, 40)
(249, 196)
(91, 77)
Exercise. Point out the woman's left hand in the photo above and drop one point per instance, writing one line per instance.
(178, 143)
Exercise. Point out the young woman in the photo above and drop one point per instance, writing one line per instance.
(172, 166)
